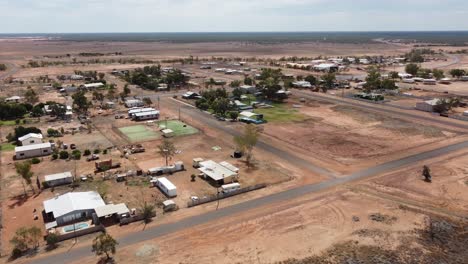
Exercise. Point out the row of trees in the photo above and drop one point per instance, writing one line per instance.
(416, 70)
(150, 77)
(374, 81)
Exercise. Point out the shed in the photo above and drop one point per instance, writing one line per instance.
(167, 133)
(58, 179)
(30, 139)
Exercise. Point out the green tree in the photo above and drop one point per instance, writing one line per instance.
(104, 244)
(457, 73)
(3, 67)
(412, 69)
(221, 106)
(24, 170)
(237, 92)
(235, 84)
(52, 240)
(126, 90)
(438, 74)
(64, 154)
(81, 102)
(30, 96)
(373, 81)
(148, 210)
(167, 149)
(247, 141)
(394, 75)
(311, 78)
(248, 81)
(329, 81)
(389, 84)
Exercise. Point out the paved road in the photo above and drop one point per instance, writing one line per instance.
(165, 229)
(378, 108)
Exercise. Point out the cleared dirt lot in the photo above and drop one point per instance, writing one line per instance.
(349, 135)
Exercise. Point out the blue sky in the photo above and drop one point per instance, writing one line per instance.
(62, 16)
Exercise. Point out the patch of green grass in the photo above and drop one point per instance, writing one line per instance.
(139, 133)
(8, 122)
(7, 147)
(179, 128)
(281, 113)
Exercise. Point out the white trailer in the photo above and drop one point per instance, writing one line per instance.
(226, 188)
(167, 187)
(178, 166)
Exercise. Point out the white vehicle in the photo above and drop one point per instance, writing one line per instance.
(227, 188)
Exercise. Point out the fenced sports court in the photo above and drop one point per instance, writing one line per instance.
(179, 128)
(139, 133)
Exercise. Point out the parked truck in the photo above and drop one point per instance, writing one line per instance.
(178, 166)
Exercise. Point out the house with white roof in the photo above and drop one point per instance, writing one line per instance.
(217, 172)
(71, 207)
(30, 139)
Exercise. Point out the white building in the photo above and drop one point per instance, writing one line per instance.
(32, 151)
(427, 106)
(58, 179)
(302, 84)
(217, 172)
(134, 111)
(249, 89)
(326, 67)
(71, 207)
(91, 86)
(146, 115)
(30, 139)
(134, 103)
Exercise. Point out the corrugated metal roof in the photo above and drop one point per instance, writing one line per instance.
(73, 201)
(110, 209)
(33, 147)
(58, 176)
(215, 171)
(30, 135)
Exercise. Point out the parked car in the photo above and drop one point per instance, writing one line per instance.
(92, 157)
(72, 146)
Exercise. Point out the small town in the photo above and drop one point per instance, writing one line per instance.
(235, 147)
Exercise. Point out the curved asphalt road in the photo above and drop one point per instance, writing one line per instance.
(161, 230)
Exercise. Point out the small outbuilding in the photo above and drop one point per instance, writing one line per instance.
(427, 106)
(217, 172)
(167, 133)
(58, 179)
(31, 139)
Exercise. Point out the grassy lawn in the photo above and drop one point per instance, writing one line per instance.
(139, 133)
(179, 128)
(7, 147)
(281, 113)
(7, 122)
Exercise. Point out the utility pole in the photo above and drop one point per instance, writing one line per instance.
(179, 113)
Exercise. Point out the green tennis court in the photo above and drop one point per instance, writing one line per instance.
(179, 128)
(139, 133)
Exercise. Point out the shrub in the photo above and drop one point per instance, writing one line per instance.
(64, 154)
(76, 154)
(52, 240)
(87, 152)
(54, 156)
(35, 161)
(97, 151)
(104, 152)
